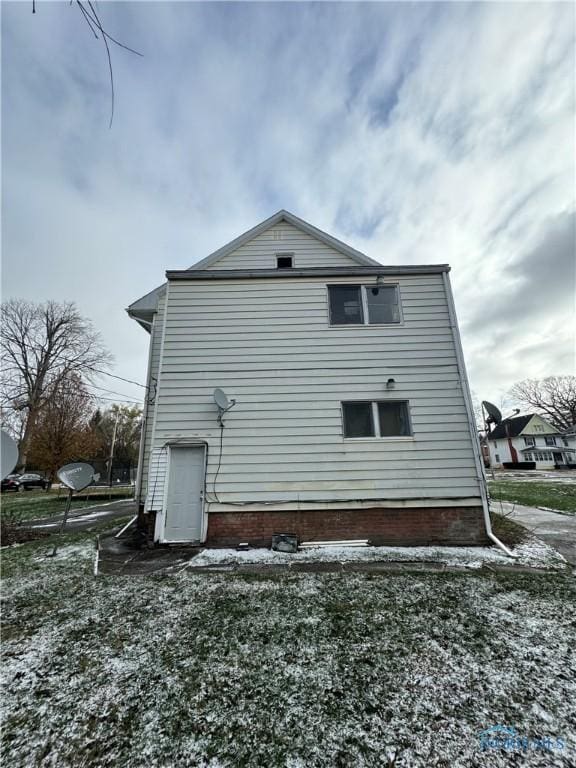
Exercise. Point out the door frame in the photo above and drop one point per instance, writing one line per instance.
(160, 523)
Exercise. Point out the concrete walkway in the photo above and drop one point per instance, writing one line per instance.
(555, 528)
(82, 519)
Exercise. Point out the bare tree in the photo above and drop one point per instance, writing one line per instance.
(42, 346)
(554, 398)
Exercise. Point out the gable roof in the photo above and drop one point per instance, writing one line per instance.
(143, 308)
(510, 427)
(300, 224)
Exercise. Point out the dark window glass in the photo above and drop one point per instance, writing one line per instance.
(284, 262)
(382, 303)
(393, 419)
(550, 440)
(345, 305)
(358, 420)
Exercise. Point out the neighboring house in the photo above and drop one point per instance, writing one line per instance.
(352, 415)
(530, 438)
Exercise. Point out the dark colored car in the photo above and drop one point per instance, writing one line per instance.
(10, 483)
(29, 480)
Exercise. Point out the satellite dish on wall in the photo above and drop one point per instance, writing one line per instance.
(494, 415)
(221, 399)
(76, 476)
(8, 454)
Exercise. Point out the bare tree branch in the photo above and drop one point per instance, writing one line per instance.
(554, 398)
(92, 19)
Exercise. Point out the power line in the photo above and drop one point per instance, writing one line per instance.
(96, 370)
(109, 391)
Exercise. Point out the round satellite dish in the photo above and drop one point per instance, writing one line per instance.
(8, 454)
(76, 476)
(220, 399)
(494, 414)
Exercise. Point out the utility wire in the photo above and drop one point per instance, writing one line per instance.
(92, 368)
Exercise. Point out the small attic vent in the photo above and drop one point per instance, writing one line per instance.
(284, 261)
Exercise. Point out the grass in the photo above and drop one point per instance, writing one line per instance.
(29, 505)
(561, 496)
(27, 558)
(508, 531)
(297, 671)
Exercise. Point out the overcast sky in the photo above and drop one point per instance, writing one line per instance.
(416, 133)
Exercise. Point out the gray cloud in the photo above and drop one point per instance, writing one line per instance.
(540, 282)
(238, 109)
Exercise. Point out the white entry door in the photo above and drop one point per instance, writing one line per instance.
(185, 497)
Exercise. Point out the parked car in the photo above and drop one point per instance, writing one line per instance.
(30, 480)
(10, 483)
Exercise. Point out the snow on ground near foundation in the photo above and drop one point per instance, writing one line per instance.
(533, 553)
(219, 670)
(536, 476)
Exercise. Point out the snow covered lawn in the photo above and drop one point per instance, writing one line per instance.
(295, 670)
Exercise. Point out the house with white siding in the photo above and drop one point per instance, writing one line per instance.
(350, 415)
(532, 440)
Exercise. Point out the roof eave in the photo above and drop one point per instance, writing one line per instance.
(359, 271)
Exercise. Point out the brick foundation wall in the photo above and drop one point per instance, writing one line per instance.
(409, 526)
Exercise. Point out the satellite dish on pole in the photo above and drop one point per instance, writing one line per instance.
(76, 476)
(8, 454)
(494, 415)
(221, 399)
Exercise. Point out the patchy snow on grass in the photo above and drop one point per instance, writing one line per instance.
(84, 551)
(195, 670)
(533, 553)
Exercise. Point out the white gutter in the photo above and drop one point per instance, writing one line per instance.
(480, 474)
(139, 474)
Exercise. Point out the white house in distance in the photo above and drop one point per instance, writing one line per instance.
(530, 438)
(350, 413)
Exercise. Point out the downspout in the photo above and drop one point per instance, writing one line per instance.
(140, 474)
(480, 475)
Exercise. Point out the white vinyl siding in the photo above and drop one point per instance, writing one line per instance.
(269, 345)
(283, 238)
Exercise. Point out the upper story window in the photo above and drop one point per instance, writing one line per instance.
(385, 418)
(284, 260)
(364, 304)
(550, 440)
(529, 441)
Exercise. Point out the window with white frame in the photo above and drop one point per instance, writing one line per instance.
(529, 441)
(384, 418)
(550, 440)
(364, 304)
(497, 457)
(528, 457)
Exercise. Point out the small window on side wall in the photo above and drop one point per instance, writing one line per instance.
(358, 420)
(284, 261)
(376, 419)
(393, 419)
(364, 304)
